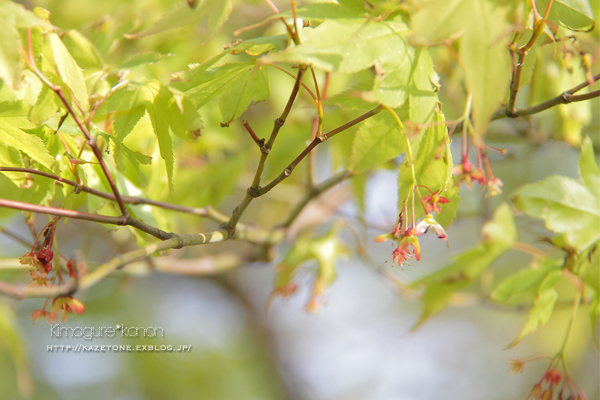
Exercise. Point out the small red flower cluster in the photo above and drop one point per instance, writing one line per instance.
(408, 237)
(66, 304)
(467, 173)
(41, 259)
(553, 383)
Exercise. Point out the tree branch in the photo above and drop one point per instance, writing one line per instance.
(253, 189)
(316, 141)
(564, 98)
(207, 211)
(90, 140)
(314, 192)
(22, 291)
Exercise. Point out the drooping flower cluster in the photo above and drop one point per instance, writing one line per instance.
(556, 384)
(40, 258)
(407, 237)
(466, 172)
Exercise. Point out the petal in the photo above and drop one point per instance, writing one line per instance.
(76, 306)
(414, 241)
(384, 237)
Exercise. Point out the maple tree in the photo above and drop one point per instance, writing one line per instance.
(89, 132)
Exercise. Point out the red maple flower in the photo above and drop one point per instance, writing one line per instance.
(433, 202)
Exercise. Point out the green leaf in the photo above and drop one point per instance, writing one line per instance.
(11, 338)
(125, 122)
(13, 118)
(594, 314)
(134, 158)
(259, 45)
(482, 51)
(82, 50)
(573, 14)
(12, 17)
(566, 206)
(157, 100)
(45, 106)
(10, 157)
(499, 235)
(179, 14)
(348, 45)
(588, 168)
(432, 163)
(10, 53)
(250, 86)
(379, 139)
(524, 281)
(411, 79)
(69, 71)
(143, 59)
(121, 100)
(287, 269)
(542, 307)
(236, 84)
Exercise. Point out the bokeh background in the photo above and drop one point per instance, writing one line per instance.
(360, 344)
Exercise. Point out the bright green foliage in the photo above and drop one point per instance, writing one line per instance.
(324, 251)
(378, 140)
(12, 339)
(69, 71)
(567, 207)
(12, 17)
(13, 122)
(433, 168)
(143, 59)
(498, 234)
(524, 282)
(573, 14)
(482, 52)
(542, 307)
(159, 132)
(82, 50)
(236, 86)
(215, 12)
(349, 45)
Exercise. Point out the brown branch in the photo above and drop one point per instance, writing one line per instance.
(564, 98)
(252, 191)
(91, 141)
(318, 140)
(104, 219)
(522, 52)
(314, 192)
(202, 212)
(23, 291)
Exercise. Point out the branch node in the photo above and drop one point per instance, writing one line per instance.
(566, 97)
(230, 229)
(123, 220)
(179, 240)
(288, 171)
(279, 122)
(254, 192)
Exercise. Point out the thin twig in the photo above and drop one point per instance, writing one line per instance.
(318, 140)
(90, 140)
(252, 191)
(22, 291)
(314, 192)
(207, 211)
